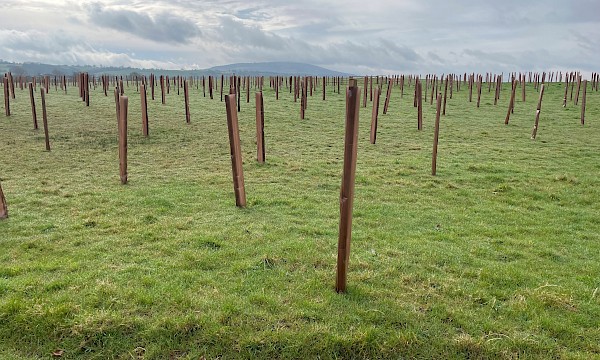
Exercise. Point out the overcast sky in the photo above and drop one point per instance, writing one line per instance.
(357, 36)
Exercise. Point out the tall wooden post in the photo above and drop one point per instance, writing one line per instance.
(347, 188)
(86, 78)
(479, 85)
(33, 112)
(387, 97)
(511, 103)
(186, 95)
(537, 114)
(248, 90)
(222, 79)
(436, 133)
(6, 97)
(123, 100)
(445, 94)
(375, 115)
(235, 150)
(365, 89)
(419, 106)
(583, 97)
(144, 107)
(3, 206)
(45, 118)
(260, 128)
(162, 90)
(152, 84)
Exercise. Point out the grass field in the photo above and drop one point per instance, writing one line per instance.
(498, 256)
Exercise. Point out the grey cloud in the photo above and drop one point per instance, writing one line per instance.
(166, 27)
(247, 35)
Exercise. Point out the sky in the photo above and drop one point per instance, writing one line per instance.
(355, 36)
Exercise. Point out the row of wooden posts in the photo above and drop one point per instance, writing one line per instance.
(304, 86)
(301, 89)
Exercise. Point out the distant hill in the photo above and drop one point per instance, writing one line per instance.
(275, 68)
(243, 69)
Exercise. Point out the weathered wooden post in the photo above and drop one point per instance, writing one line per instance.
(566, 90)
(436, 134)
(86, 78)
(186, 95)
(479, 85)
(445, 93)
(537, 114)
(387, 97)
(470, 88)
(347, 188)
(235, 150)
(302, 100)
(260, 128)
(45, 118)
(152, 84)
(247, 90)
(162, 90)
(511, 103)
(419, 106)
(3, 205)
(365, 89)
(12, 85)
(123, 100)
(6, 97)
(222, 80)
(583, 97)
(33, 112)
(144, 107)
(375, 115)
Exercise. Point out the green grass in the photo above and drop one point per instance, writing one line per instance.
(496, 257)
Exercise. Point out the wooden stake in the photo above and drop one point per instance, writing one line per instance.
(260, 128)
(235, 150)
(144, 107)
(374, 115)
(566, 90)
(6, 97)
(33, 112)
(3, 206)
(583, 97)
(347, 188)
(366, 88)
(45, 118)
(387, 97)
(537, 114)
(479, 85)
(419, 106)
(436, 134)
(186, 95)
(123, 100)
(445, 93)
(117, 104)
(511, 103)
